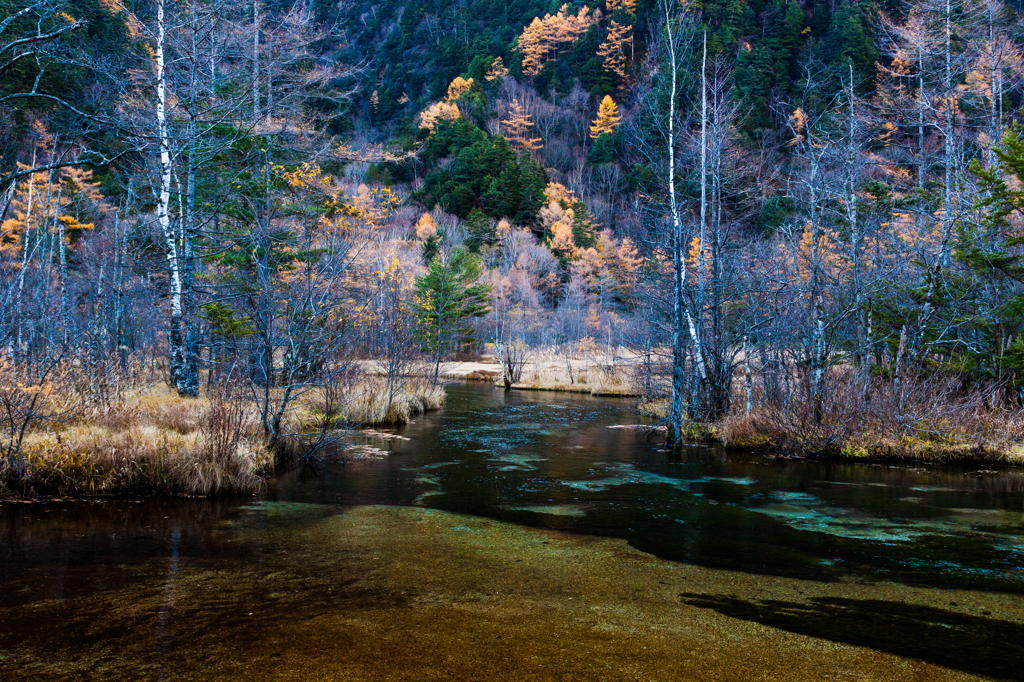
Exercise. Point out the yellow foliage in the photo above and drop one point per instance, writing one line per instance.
(693, 257)
(613, 266)
(557, 222)
(517, 129)
(608, 118)
(441, 111)
(41, 201)
(459, 87)
(543, 36)
(376, 206)
(612, 48)
(558, 192)
(612, 5)
(426, 227)
(497, 70)
(370, 209)
(797, 121)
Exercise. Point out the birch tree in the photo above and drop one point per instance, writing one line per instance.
(660, 143)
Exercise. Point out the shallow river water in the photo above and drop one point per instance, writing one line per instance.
(523, 536)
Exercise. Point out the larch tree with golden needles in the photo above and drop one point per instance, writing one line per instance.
(533, 47)
(613, 5)
(612, 48)
(517, 128)
(497, 71)
(441, 111)
(544, 36)
(458, 88)
(608, 118)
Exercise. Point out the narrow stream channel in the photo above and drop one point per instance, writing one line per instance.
(78, 581)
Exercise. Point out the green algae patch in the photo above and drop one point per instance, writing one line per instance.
(397, 593)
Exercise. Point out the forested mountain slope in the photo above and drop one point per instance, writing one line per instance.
(804, 218)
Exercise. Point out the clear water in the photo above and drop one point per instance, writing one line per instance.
(149, 588)
(551, 460)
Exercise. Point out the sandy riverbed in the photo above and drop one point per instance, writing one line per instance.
(384, 593)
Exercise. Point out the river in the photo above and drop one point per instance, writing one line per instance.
(527, 535)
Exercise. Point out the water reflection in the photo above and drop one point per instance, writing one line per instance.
(551, 460)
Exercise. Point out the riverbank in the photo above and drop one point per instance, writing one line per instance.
(150, 440)
(598, 375)
(865, 432)
(375, 593)
(929, 422)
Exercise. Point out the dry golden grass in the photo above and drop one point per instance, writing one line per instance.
(367, 401)
(579, 372)
(151, 441)
(933, 419)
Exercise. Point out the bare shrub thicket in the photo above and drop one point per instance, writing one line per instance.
(939, 416)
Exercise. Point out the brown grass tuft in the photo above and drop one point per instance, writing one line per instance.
(937, 418)
(153, 441)
(368, 402)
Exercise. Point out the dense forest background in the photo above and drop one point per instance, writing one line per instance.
(802, 217)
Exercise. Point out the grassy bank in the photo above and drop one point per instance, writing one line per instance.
(373, 403)
(572, 371)
(582, 370)
(934, 420)
(150, 440)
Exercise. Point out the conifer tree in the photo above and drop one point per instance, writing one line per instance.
(613, 5)
(545, 35)
(991, 250)
(517, 129)
(447, 298)
(497, 71)
(608, 118)
(440, 111)
(611, 49)
(459, 87)
(532, 46)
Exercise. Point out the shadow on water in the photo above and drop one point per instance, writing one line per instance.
(974, 644)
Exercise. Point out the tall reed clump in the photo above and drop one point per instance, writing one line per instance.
(369, 401)
(581, 368)
(149, 441)
(938, 418)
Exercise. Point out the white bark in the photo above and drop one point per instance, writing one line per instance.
(748, 383)
(166, 172)
(678, 262)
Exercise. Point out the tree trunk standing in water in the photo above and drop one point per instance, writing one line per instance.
(175, 335)
(674, 431)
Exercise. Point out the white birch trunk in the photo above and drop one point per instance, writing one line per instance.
(678, 262)
(16, 350)
(177, 351)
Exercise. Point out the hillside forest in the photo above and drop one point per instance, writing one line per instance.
(777, 223)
